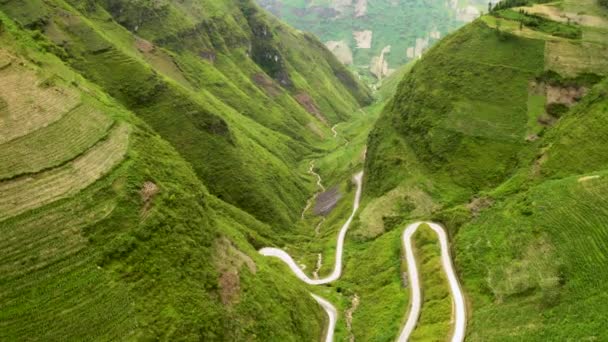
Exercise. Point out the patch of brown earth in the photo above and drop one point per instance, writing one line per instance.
(354, 304)
(266, 84)
(478, 204)
(208, 55)
(309, 104)
(143, 45)
(565, 95)
(360, 8)
(147, 193)
(327, 201)
(363, 39)
(230, 287)
(229, 261)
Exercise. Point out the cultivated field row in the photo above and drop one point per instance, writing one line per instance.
(29, 192)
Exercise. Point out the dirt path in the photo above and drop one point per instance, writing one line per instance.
(333, 129)
(332, 314)
(354, 304)
(315, 273)
(337, 272)
(311, 171)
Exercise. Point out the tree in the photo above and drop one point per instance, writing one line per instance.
(490, 7)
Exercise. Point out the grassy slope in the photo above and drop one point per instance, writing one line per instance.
(531, 259)
(104, 263)
(189, 77)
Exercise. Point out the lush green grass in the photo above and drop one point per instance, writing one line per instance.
(434, 323)
(54, 144)
(537, 22)
(467, 108)
(110, 261)
(204, 96)
(527, 219)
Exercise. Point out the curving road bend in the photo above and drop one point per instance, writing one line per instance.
(332, 314)
(458, 302)
(286, 258)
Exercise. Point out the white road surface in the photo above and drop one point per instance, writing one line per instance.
(458, 303)
(459, 307)
(332, 314)
(337, 272)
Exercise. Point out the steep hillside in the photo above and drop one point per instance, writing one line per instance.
(376, 37)
(241, 97)
(106, 231)
(498, 132)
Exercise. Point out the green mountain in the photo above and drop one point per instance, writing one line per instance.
(376, 37)
(499, 133)
(148, 150)
(234, 94)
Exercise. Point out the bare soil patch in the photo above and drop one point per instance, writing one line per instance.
(565, 95)
(309, 104)
(147, 193)
(363, 39)
(360, 8)
(267, 84)
(327, 201)
(229, 261)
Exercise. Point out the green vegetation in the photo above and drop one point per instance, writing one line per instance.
(434, 321)
(149, 149)
(107, 230)
(243, 123)
(397, 24)
(542, 24)
(511, 151)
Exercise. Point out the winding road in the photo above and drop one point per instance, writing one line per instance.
(459, 307)
(337, 272)
(332, 314)
(458, 303)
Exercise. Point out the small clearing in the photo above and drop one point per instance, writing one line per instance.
(363, 39)
(229, 260)
(309, 104)
(360, 8)
(327, 201)
(565, 95)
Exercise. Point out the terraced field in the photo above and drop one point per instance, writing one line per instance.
(53, 145)
(28, 108)
(29, 192)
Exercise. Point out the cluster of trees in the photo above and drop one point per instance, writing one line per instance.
(603, 3)
(505, 4)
